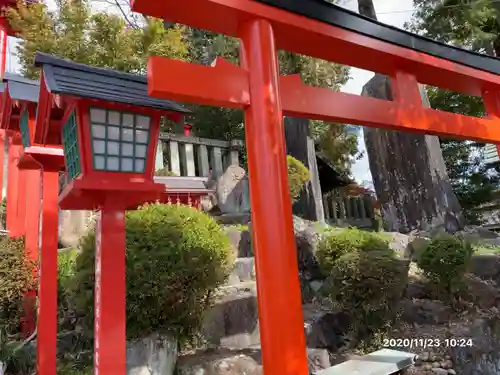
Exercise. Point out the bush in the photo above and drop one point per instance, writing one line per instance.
(175, 257)
(298, 175)
(164, 172)
(444, 260)
(368, 286)
(337, 243)
(16, 278)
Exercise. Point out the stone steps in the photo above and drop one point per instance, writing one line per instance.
(233, 320)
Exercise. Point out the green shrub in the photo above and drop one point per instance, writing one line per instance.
(17, 358)
(16, 278)
(337, 243)
(368, 286)
(176, 256)
(164, 172)
(444, 260)
(298, 175)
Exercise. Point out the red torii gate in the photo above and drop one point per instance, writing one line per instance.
(321, 30)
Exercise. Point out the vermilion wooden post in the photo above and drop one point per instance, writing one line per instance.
(13, 188)
(109, 294)
(32, 223)
(47, 276)
(282, 335)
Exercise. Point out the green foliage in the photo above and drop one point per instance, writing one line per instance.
(18, 359)
(335, 244)
(16, 278)
(368, 285)
(164, 172)
(298, 175)
(100, 39)
(444, 260)
(176, 256)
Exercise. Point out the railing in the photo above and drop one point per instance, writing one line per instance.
(196, 157)
(344, 210)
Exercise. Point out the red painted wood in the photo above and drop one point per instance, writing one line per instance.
(13, 189)
(109, 294)
(47, 287)
(282, 335)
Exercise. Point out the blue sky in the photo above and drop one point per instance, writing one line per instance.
(392, 12)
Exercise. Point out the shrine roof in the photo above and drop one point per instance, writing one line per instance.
(67, 77)
(337, 16)
(21, 88)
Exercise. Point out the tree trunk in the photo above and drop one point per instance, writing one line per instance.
(300, 145)
(409, 174)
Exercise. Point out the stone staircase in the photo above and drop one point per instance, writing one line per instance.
(233, 321)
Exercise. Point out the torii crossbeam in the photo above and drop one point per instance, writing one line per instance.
(318, 29)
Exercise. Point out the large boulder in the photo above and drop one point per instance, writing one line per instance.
(153, 355)
(239, 362)
(480, 355)
(233, 321)
(486, 267)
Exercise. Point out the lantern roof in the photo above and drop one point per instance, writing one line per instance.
(349, 20)
(66, 77)
(21, 88)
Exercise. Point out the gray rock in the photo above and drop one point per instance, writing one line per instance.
(483, 357)
(398, 242)
(452, 372)
(440, 371)
(218, 363)
(318, 359)
(241, 240)
(233, 321)
(153, 355)
(325, 329)
(486, 267)
(232, 191)
(243, 270)
(425, 312)
(424, 356)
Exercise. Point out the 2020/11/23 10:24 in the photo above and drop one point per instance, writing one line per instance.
(427, 343)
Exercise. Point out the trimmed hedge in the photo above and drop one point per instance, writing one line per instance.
(367, 285)
(16, 278)
(337, 243)
(444, 260)
(176, 257)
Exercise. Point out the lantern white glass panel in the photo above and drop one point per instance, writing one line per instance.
(99, 147)
(114, 118)
(142, 122)
(127, 135)
(99, 162)
(113, 163)
(139, 165)
(119, 140)
(98, 115)
(114, 133)
(113, 148)
(98, 131)
(128, 120)
(141, 136)
(140, 151)
(127, 165)
(128, 149)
